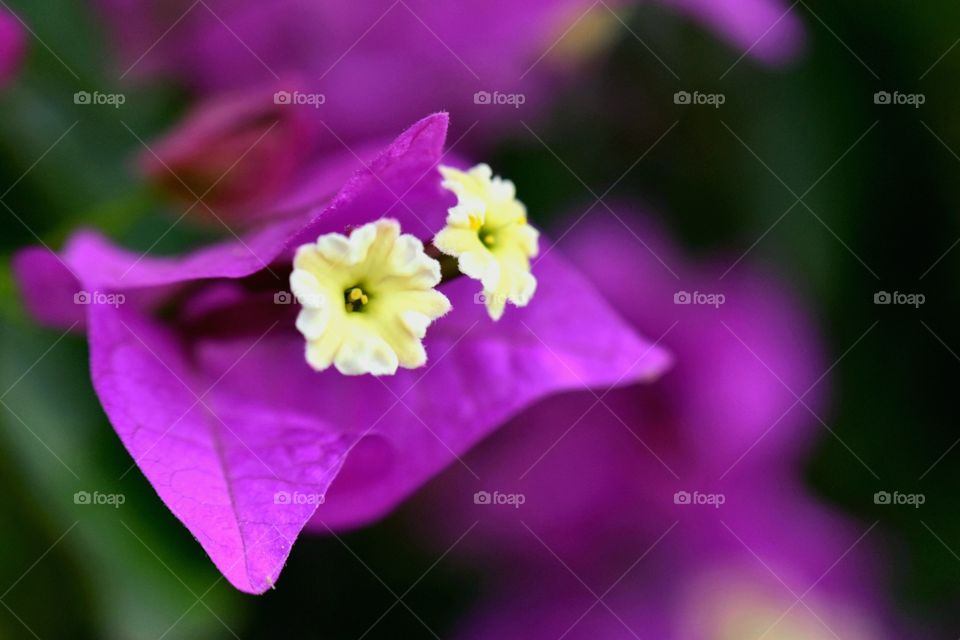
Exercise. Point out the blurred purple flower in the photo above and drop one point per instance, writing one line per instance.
(377, 65)
(769, 30)
(678, 504)
(13, 44)
(242, 158)
(769, 563)
(240, 152)
(201, 371)
(725, 410)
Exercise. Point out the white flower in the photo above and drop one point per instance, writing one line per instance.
(487, 232)
(367, 299)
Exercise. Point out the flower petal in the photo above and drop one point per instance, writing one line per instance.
(218, 456)
(480, 374)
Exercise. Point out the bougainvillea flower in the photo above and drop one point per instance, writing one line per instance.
(245, 157)
(726, 409)
(679, 505)
(12, 45)
(487, 62)
(769, 30)
(488, 233)
(200, 368)
(770, 563)
(349, 54)
(240, 152)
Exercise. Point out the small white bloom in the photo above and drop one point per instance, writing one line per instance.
(367, 299)
(487, 232)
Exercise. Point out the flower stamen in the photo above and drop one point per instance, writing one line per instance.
(355, 299)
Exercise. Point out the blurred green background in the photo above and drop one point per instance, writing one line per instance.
(885, 217)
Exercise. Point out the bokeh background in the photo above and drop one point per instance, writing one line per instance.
(879, 212)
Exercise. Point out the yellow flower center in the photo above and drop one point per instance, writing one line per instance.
(366, 299)
(355, 299)
(487, 238)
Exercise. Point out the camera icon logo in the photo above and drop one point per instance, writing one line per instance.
(482, 497)
(682, 297)
(81, 297)
(682, 97)
(882, 97)
(881, 497)
(82, 97)
(282, 97)
(81, 497)
(283, 297)
(882, 297)
(482, 97)
(681, 497)
(281, 497)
